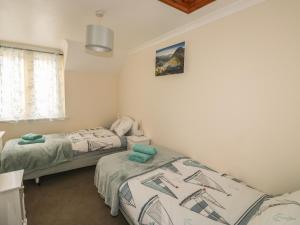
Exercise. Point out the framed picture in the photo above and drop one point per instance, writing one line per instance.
(170, 60)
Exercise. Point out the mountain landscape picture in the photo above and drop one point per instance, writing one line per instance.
(170, 60)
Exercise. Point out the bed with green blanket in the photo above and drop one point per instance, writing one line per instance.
(171, 189)
(60, 152)
(56, 149)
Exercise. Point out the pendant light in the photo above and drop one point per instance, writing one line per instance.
(98, 37)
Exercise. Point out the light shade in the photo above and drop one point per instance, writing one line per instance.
(99, 38)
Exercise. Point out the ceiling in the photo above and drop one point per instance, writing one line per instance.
(49, 22)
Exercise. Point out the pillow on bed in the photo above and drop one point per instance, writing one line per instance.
(115, 124)
(123, 126)
(281, 210)
(134, 129)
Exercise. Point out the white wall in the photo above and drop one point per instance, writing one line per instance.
(91, 100)
(237, 106)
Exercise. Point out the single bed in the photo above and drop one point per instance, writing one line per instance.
(61, 152)
(173, 190)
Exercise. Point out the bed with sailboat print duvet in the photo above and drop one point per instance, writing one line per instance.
(185, 192)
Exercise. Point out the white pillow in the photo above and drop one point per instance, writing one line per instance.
(282, 210)
(134, 129)
(124, 126)
(115, 124)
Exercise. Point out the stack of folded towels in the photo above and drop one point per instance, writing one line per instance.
(31, 139)
(142, 153)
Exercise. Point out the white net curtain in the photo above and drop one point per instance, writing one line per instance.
(31, 85)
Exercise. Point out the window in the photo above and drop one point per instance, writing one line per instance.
(31, 85)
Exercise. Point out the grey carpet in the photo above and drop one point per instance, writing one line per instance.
(68, 198)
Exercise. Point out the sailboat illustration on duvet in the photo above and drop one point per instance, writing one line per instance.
(154, 213)
(172, 168)
(198, 203)
(158, 182)
(207, 197)
(194, 163)
(199, 178)
(126, 195)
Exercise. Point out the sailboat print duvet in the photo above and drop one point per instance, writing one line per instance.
(186, 192)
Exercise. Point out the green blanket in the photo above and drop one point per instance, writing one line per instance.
(113, 170)
(55, 150)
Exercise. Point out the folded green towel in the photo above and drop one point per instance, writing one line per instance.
(146, 149)
(139, 157)
(31, 136)
(27, 142)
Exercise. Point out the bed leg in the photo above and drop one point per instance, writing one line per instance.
(37, 180)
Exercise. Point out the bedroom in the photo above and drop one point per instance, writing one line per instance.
(235, 108)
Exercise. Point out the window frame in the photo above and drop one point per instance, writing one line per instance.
(61, 83)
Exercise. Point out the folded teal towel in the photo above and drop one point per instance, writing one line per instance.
(139, 157)
(27, 142)
(31, 136)
(146, 149)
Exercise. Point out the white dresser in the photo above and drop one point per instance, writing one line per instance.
(12, 207)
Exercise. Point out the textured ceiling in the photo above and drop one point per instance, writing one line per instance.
(49, 22)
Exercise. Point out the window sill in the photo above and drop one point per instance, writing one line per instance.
(35, 120)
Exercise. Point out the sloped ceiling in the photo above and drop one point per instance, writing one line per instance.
(50, 22)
